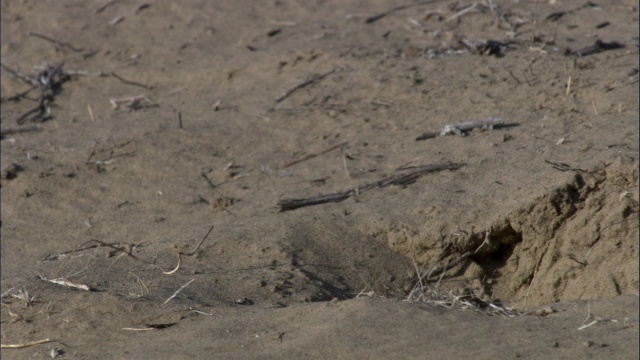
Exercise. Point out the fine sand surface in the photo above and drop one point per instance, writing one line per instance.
(306, 135)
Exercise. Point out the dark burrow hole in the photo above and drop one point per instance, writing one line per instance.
(492, 263)
(496, 260)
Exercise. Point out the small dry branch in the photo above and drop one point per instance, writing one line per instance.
(57, 43)
(180, 254)
(311, 156)
(67, 283)
(27, 344)
(49, 81)
(400, 180)
(122, 249)
(303, 84)
(129, 82)
(178, 291)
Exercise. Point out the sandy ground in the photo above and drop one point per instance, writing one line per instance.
(308, 135)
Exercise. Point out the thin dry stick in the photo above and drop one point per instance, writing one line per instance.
(311, 156)
(303, 84)
(116, 259)
(176, 293)
(399, 180)
(129, 82)
(487, 232)
(588, 325)
(24, 345)
(22, 76)
(127, 249)
(344, 159)
(587, 318)
(138, 329)
(449, 265)
(442, 275)
(57, 43)
(142, 284)
(200, 312)
(366, 286)
(45, 82)
(187, 254)
(93, 118)
(116, 20)
(67, 283)
(106, 5)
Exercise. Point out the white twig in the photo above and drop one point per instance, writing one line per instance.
(463, 127)
(66, 282)
(201, 312)
(487, 232)
(176, 293)
(588, 325)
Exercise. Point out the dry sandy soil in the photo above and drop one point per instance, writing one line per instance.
(291, 128)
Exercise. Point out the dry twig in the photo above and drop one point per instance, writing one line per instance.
(400, 180)
(129, 82)
(303, 84)
(49, 79)
(27, 344)
(187, 254)
(67, 283)
(311, 156)
(57, 43)
(178, 291)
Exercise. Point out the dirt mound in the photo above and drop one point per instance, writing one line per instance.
(577, 242)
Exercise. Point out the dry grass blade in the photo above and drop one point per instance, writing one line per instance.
(67, 283)
(125, 249)
(27, 344)
(187, 254)
(178, 291)
(422, 293)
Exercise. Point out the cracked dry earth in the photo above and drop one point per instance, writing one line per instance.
(147, 123)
